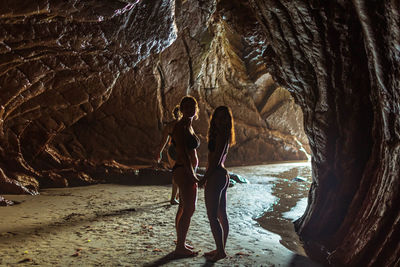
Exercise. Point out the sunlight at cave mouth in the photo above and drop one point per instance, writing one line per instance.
(282, 114)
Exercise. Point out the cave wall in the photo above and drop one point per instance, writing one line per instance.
(86, 88)
(60, 61)
(212, 62)
(340, 60)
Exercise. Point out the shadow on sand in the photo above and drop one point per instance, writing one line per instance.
(172, 256)
(77, 219)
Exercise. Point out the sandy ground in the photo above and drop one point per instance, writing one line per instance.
(121, 225)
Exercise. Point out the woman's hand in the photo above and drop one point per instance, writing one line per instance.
(190, 172)
(195, 179)
(158, 157)
(202, 182)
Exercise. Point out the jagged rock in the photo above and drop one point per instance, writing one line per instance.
(282, 114)
(340, 61)
(232, 183)
(299, 179)
(5, 202)
(238, 179)
(86, 85)
(120, 130)
(60, 61)
(14, 186)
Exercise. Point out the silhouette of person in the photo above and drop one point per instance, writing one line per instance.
(184, 171)
(221, 136)
(171, 152)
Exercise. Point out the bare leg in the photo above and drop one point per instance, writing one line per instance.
(188, 196)
(178, 216)
(222, 216)
(214, 192)
(174, 194)
(177, 219)
(176, 190)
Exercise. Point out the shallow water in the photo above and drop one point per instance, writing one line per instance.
(282, 199)
(125, 225)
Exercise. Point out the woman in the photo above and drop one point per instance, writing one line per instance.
(184, 172)
(221, 135)
(166, 139)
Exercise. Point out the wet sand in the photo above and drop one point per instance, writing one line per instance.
(289, 184)
(125, 225)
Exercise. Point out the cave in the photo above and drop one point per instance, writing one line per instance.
(85, 87)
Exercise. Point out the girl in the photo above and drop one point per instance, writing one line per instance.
(166, 139)
(221, 135)
(184, 172)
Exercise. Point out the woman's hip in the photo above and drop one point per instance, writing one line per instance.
(180, 177)
(218, 178)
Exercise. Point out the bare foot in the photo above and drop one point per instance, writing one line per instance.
(210, 253)
(216, 256)
(185, 252)
(186, 245)
(174, 201)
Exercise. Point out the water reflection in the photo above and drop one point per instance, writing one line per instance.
(289, 184)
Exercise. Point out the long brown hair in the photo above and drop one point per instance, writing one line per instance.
(229, 131)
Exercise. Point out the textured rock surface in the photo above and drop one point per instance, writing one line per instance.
(60, 61)
(85, 88)
(5, 202)
(86, 85)
(340, 59)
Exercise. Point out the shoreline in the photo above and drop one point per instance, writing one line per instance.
(130, 225)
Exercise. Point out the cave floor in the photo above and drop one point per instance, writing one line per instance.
(120, 225)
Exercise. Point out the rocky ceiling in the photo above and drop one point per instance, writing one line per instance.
(85, 87)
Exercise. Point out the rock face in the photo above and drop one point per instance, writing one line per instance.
(85, 87)
(340, 60)
(60, 62)
(207, 61)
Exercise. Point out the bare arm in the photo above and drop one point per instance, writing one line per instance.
(164, 140)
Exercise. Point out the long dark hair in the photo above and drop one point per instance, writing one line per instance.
(230, 129)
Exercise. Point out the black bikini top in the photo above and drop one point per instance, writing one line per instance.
(192, 141)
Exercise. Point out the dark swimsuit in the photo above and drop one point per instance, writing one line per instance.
(192, 142)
